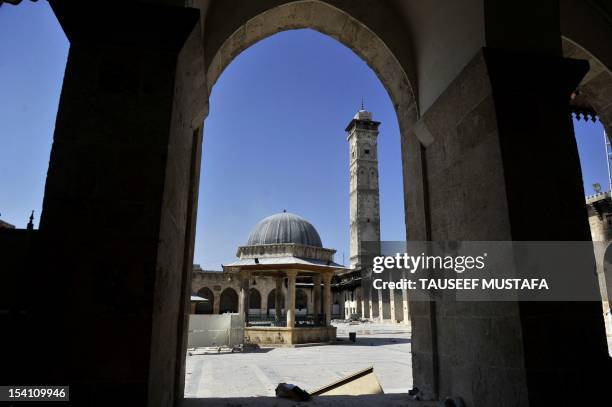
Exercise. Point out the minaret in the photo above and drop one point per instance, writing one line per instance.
(364, 201)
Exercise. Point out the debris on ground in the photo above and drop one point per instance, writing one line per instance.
(355, 384)
(414, 393)
(291, 391)
(452, 402)
(205, 350)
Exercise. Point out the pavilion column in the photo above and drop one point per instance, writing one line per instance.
(290, 299)
(327, 301)
(316, 295)
(277, 298)
(243, 304)
(264, 303)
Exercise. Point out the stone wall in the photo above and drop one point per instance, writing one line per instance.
(289, 336)
(474, 131)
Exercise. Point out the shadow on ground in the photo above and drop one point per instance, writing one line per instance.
(387, 400)
(372, 341)
(213, 353)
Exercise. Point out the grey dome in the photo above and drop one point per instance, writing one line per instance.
(284, 227)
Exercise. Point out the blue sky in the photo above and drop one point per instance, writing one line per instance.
(274, 138)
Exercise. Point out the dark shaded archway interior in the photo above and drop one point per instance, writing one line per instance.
(301, 299)
(229, 301)
(272, 300)
(205, 307)
(254, 299)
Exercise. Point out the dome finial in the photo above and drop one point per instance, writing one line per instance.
(284, 210)
(362, 108)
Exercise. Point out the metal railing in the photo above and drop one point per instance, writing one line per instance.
(308, 320)
(303, 320)
(266, 320)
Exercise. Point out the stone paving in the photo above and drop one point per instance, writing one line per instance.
(258, 372)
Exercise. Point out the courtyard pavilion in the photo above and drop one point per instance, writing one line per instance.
(286, 246)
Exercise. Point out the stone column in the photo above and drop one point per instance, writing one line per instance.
(359, 301)
(405, 305)
(216, 302)
(121, 155)
(309, 301)
(277, 298)
(327, 301)
(362, 308)
(290, 299)
(316, 294)
(243, 300)
(392, 301)
(500, 146)
(381, 313)
(370, 303)
(264, 303)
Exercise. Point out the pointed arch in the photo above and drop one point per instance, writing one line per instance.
(338, 24)
(228, 301)
(205, 307)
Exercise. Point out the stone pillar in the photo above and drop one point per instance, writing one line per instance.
(381, 312)
(371, 308)
(277, 298)
(121, 155)
(264, 303)
(327, 298)
(290, 298)
(493, 142)
(244, 296)
(359, 302)
(405, 307)
(392, 302)
(216, 302)
(316, 294)
(362, 308)
(309, 301)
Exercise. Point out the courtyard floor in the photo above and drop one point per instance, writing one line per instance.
(258, 372)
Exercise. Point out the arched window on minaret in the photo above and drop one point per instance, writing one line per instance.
(373, 179)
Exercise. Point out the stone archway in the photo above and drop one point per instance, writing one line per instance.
(205, 307)
(595, 89)
(171, 157)
(594, 101)
(396, 77)
(203, 64)
(228, 301)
